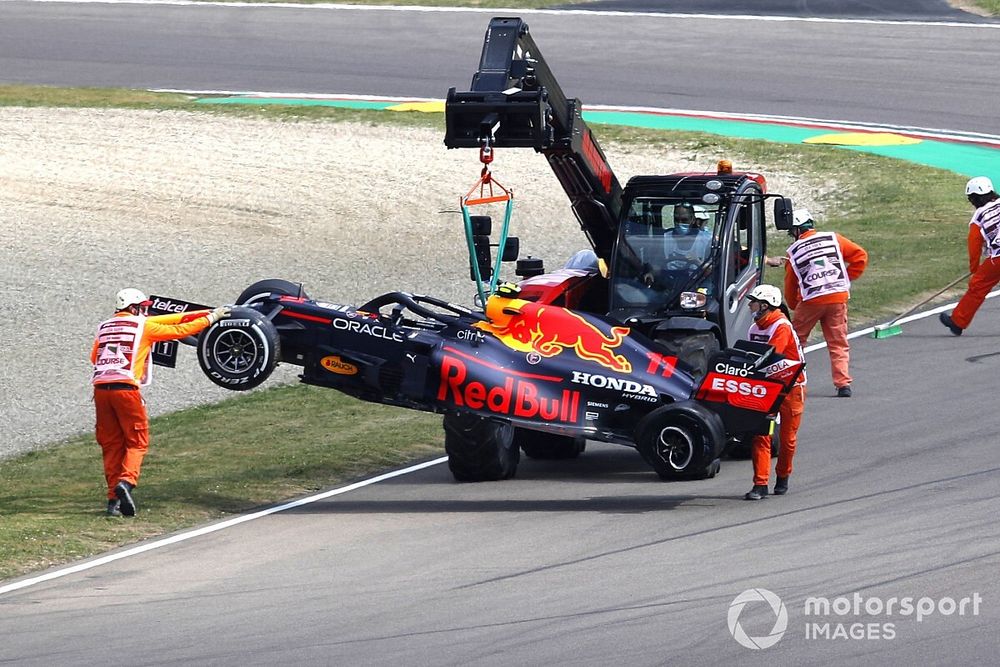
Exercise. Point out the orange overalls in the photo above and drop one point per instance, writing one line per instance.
(785, 343)
(121, 365)
(985, 275)
(830, 310)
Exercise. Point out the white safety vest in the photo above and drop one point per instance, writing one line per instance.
(819, 265)
(756, 334)
(987, 218)
(117, 342)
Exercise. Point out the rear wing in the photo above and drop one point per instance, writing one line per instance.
(164, 353)
(746, 385)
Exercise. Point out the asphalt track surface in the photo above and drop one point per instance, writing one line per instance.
(917, 74)
(593, 561)
(910, 10)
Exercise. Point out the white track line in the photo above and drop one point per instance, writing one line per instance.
(499, 11)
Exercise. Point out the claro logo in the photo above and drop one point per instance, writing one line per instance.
(335, 364)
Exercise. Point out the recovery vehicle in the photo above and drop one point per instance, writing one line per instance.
(683, 286)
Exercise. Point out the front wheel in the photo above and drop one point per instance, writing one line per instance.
(241, 351)
(262, 289)
(681, 441)
(479, 449)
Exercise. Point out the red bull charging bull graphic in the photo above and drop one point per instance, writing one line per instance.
(527, 326)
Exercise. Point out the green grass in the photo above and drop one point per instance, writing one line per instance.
(203, 464)
(990, 6)
(256, 449)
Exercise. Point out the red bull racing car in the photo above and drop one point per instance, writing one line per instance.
(521, 376)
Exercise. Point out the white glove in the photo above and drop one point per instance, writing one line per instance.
(219, 313)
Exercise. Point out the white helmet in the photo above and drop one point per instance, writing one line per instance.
(130, 296)
(801, 217)
(769, 294)
(980, 185)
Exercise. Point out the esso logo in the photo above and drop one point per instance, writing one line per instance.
(738, 387)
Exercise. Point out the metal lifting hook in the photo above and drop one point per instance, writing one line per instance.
(485, 184)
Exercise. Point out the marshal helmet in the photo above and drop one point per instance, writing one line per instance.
(980, 185)
(769, 294)
(130, 296)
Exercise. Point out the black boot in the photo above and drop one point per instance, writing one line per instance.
(948, 322)
(758, 492)
(114, 507)
(781, 486)
(124, 492)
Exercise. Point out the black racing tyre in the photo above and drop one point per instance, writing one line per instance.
(480, 449)
(264, 288)
(681, 441)
(539, 445)
(694, 349)
(241, 351)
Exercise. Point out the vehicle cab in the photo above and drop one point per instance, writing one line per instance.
(690, 247)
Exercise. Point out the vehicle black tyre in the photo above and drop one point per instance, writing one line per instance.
(694, 349)
(480, 449)
(239, 352)
(264, 288)
(539, 445)
(681, 441)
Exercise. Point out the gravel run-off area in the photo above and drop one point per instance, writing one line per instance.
(198, 206)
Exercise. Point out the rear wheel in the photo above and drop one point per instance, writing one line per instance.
(479, 449)
(680, 441)
(241, 351)
(264, 288)
(539, 445)
(694, 349)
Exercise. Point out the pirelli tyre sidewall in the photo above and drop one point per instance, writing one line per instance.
(681, 441)
(241, 351)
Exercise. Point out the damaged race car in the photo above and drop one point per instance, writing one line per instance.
(519, 376)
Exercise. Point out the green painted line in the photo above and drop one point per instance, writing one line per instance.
(961, 158)
(295, 102)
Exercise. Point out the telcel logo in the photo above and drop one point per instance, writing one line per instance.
(168, 306)
(335, 364)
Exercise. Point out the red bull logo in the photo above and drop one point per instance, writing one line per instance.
(527, 326)
(515, 396)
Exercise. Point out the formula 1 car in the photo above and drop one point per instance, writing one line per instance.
(519, 376)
